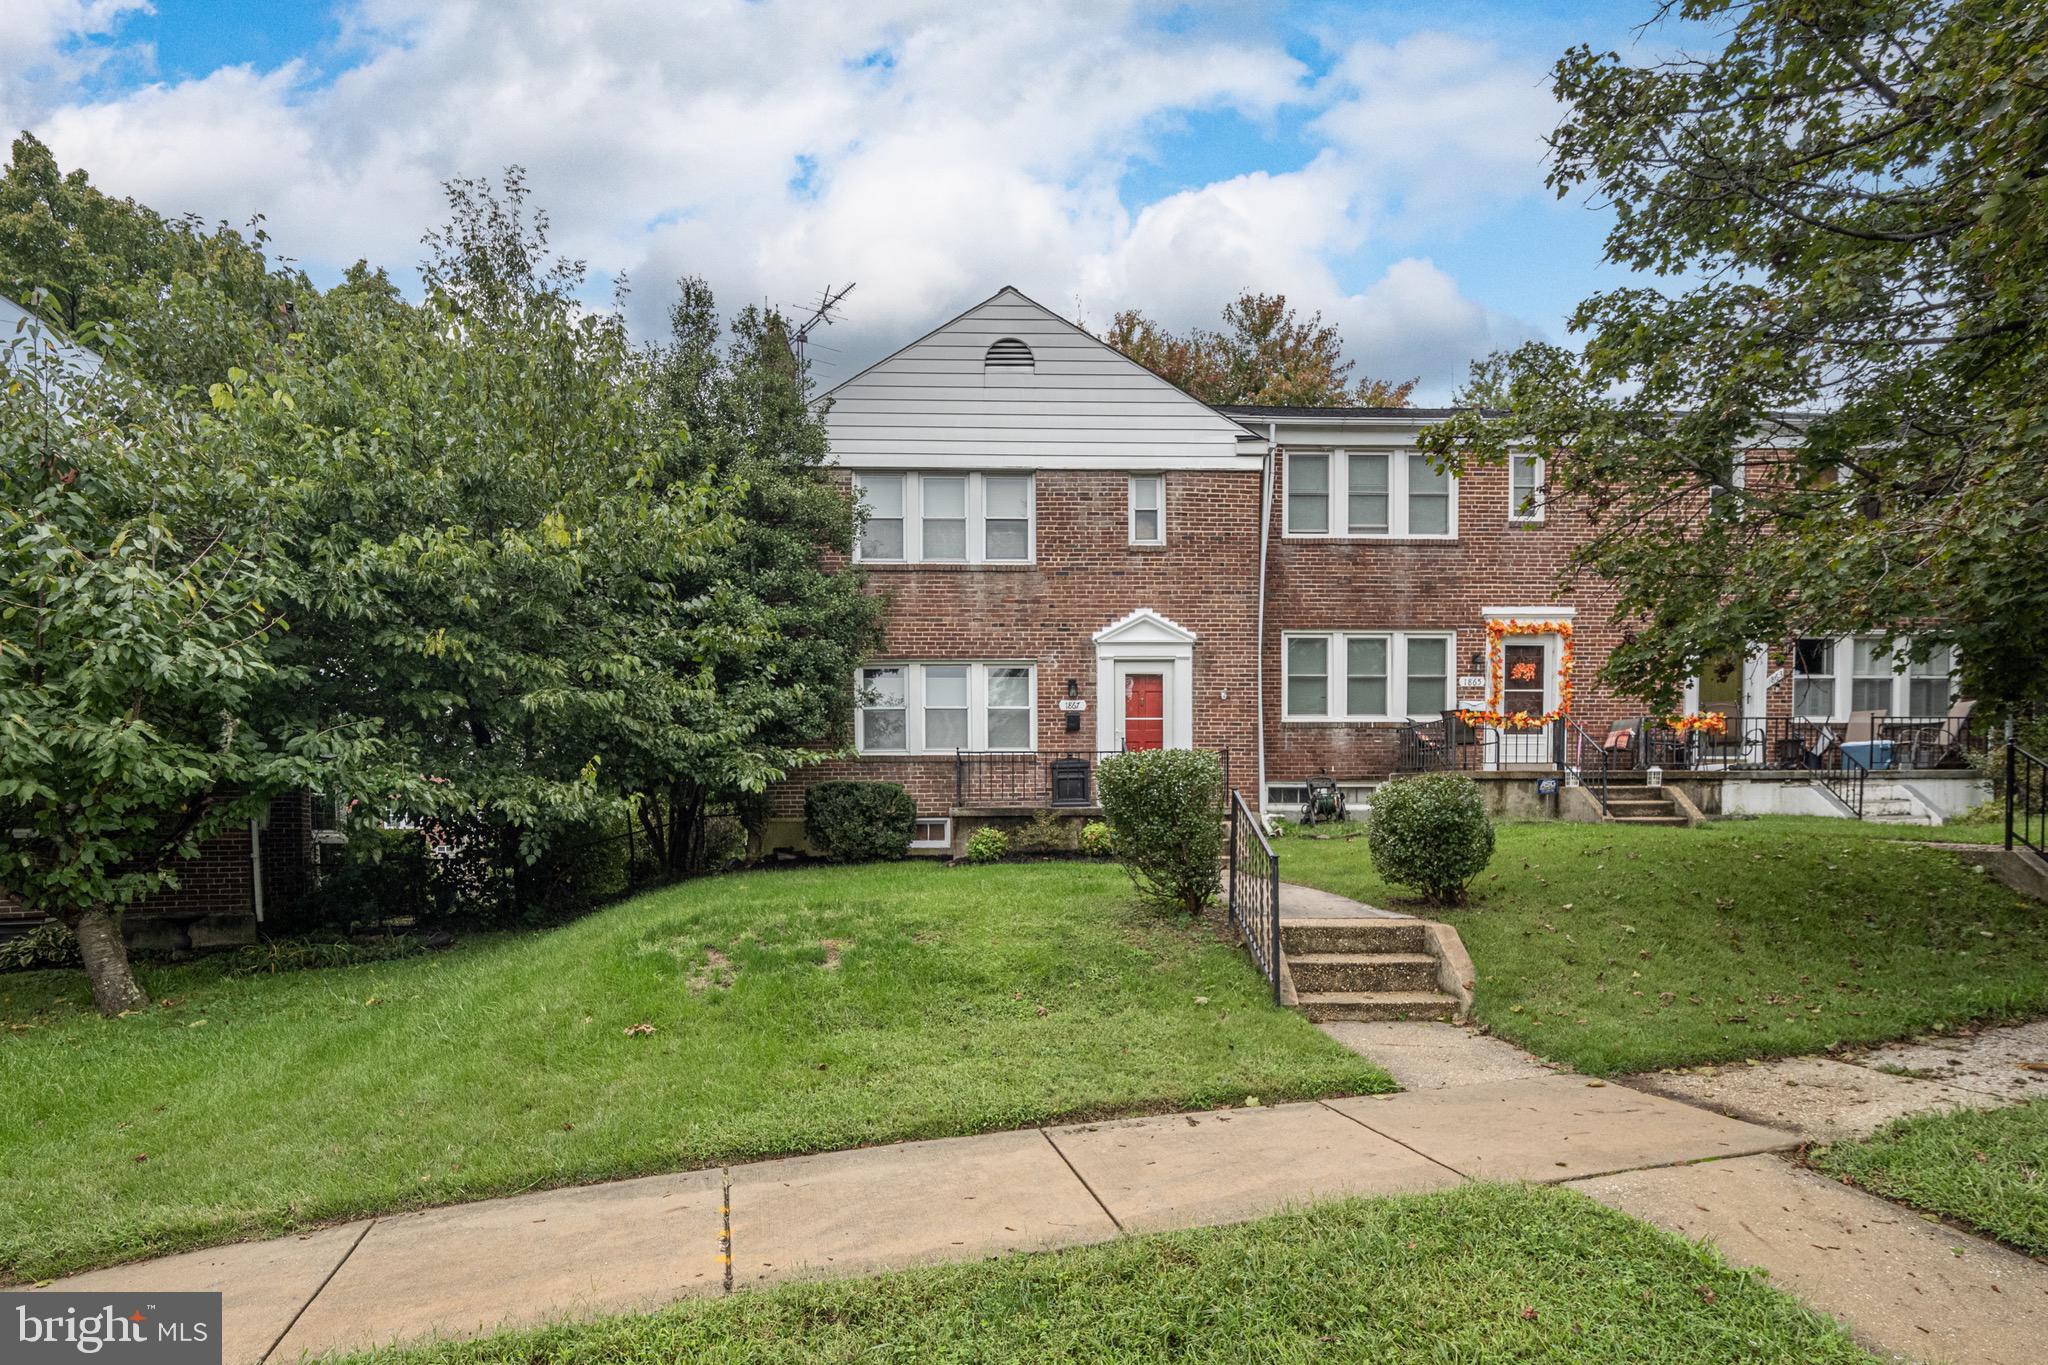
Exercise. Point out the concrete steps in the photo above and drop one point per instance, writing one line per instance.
(1642, 805)
(1364, 969)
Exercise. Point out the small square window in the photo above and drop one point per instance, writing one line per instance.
(1148, 509)
(931, 832)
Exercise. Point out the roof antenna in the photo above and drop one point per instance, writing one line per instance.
(821, 316)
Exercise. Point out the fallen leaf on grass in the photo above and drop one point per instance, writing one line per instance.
(640, 1030)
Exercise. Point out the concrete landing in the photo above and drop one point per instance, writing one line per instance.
(1900, 1284)
(1307, 902)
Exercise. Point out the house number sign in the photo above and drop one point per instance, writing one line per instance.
(1073, 704)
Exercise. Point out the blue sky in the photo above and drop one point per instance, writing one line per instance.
(1381, 163)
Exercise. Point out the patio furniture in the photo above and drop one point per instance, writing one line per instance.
(1930, 744)
(1871, 755)
(1619, 746)
(1864, 725)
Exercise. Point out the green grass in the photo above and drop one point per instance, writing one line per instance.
(1619, 949)
(862, 1005)
(1987, 1168)
(1482, 1273)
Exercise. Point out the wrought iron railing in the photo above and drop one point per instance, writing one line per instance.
(1846, 781)
(1446, 745)
(1008, 778)
(2026, 800)
(1584, 758)
(1793, 744)
(1254, 892)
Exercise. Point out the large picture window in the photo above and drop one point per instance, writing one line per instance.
(937, 708)
(1369, 494)
(1379, 675)
(1835, 677)
(936, 518)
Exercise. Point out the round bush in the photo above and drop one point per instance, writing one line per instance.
(1165, 813)
(987, 845)
(1430, 833)
(859, 822)
(1095, 840)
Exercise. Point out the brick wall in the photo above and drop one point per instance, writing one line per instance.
(218, 881)
(1086, 577)
(1424, 585)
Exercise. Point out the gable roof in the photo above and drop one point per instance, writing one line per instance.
(1074, 401)
(21, 330)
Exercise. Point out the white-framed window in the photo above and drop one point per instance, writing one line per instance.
(1931, 682)
(1872, 670)
(1813, 679)
(942, 518)
(1525, 488)
(942, 706)
(1836, 676)
(1369, 494)
(1148, 509)
(931, 831)
(1365, 675)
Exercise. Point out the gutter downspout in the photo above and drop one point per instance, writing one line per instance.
(256, 867)
(1266, 473)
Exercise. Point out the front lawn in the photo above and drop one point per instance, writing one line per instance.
(1484, 1272)
(1984, 1167)
(1616, 948)
(789, 1012)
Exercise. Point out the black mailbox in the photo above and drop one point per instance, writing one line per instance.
(1070, 782)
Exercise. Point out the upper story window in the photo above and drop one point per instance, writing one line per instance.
(1365, 676)
(934, 708)
(1148, 509)
(935, 518)
(1525, 488)
(1369, 493)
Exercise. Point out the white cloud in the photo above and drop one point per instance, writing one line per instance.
(930, 151)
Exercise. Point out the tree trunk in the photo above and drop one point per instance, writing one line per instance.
(105, 954)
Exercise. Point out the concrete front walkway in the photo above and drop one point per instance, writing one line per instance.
(473, 1268)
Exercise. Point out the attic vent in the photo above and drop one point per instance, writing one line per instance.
(1008, 354)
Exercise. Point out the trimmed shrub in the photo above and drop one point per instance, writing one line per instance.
(1164, 808)
(46, 945)
(1430, 833)
(1096, 841)
(987, 845)
(859, 822)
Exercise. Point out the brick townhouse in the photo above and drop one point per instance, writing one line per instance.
(1079, 557)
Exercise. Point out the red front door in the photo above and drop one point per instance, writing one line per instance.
(1144, 711)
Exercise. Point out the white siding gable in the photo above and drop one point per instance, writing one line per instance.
(1080, 404)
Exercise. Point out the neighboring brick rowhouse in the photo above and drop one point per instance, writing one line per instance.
(216, 885)
(1428, 585)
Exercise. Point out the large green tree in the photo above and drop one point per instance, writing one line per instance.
(782, 618)
(1262, 354)
(185, 301)
(1848, 206)
(483, 517)
(134, 635)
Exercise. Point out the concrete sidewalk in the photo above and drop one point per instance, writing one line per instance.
(474, 1268)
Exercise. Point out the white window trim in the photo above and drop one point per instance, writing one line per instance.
(1537, 503)
(1336, 662)
(977, 706)
(1843, 691)
(945, 822)
(1131, 509)
(977, 514)
(1337, 486)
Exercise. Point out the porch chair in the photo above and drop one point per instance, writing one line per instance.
(1620, 747)
(1930, 746)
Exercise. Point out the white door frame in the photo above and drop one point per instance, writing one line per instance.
(1146, 641)
(1756, 690)
(1526, 741)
